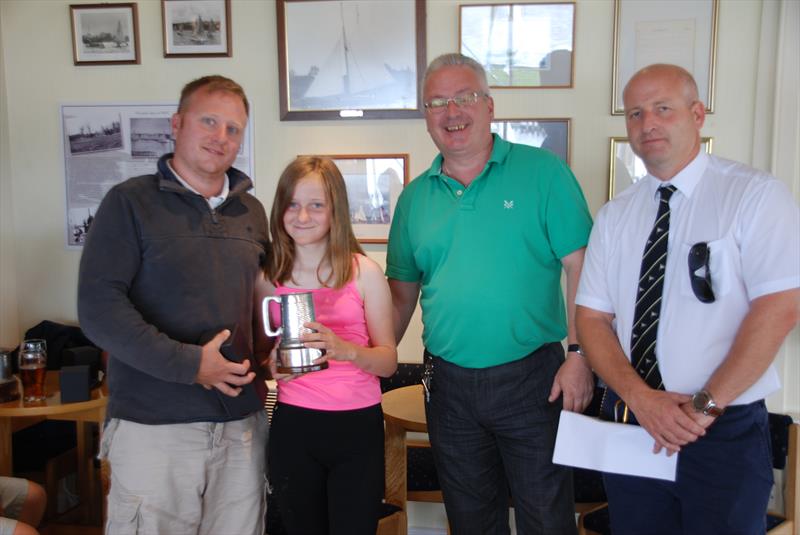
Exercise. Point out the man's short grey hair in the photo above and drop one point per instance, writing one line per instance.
(457, 60)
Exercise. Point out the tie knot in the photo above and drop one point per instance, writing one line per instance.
(666, 192)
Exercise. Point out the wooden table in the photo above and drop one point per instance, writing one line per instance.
(403, 411)
(16, 415)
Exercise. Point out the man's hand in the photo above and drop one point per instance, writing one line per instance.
(573, 380)
(218, 372)
(667, 418)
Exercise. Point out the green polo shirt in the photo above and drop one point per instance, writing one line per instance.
(488, 255)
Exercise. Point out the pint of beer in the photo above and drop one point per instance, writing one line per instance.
(32, 369)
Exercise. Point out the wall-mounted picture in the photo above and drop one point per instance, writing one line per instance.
(374, 183)
(549, 134)
(151, 137)
(106, 143)
(104, 34)
(340, 59)
(680, 32)
(93, 130)
(196, 28)
(626, 169)
(521, 45)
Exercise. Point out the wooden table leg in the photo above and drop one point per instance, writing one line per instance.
(83, 473)
(396, 465)
(6, 464)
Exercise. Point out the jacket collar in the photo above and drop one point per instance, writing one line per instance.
(239, 182)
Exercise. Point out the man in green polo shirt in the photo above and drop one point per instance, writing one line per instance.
(484, 235)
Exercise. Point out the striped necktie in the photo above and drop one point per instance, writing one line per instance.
(648, 298)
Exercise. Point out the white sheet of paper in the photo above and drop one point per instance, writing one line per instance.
(587, 442)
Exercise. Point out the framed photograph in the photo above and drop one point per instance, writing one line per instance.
(625, 168)
(520, 45)
(549, 134)
(104, 34)
(105, 143)
(680, 32)
(344, 59)
(374, 183)
(196, 28)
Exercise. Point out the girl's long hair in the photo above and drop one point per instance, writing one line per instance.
(342, 243)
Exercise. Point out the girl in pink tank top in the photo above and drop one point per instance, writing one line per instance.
(326, 443)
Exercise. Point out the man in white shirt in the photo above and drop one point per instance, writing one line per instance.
(728, 296)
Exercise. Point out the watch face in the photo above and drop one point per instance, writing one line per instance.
(700, 401)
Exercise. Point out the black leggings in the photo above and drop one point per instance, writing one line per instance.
(326, 469)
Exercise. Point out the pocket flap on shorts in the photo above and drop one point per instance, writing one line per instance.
(124, 509)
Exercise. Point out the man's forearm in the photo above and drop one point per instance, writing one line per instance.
(573, 264)
(601, 346)
(404, 301)
(763, 330)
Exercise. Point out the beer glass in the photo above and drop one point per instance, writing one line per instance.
(32, 368)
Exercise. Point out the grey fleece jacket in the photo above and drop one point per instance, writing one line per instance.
(160, 269)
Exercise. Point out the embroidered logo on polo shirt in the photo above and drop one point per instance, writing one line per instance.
(508, 205)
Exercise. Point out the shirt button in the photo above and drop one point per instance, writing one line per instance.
(459, 192)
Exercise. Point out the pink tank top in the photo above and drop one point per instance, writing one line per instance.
(343, 385)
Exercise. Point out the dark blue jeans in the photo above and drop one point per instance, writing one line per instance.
(492, 429)
(722, 485)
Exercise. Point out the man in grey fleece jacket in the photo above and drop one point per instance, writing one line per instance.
(166, 287)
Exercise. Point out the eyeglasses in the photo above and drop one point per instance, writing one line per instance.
(699, 257)
(438, 105)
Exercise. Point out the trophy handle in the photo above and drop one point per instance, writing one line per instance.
(265, 315)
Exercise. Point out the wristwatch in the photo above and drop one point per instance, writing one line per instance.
(703, 402)
(575, 348)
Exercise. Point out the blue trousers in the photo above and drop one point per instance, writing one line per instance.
(722, 485)
(492, 429)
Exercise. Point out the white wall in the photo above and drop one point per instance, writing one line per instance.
(38, 275)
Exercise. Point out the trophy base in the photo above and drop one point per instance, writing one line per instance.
(299, 360)
(303, 369)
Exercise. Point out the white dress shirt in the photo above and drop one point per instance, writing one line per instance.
(752, 227)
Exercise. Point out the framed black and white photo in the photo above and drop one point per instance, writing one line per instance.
(107, 143)
(626, 169)
(521, 45)
(374, 183)
(549, 134)
(345, 59)
(680, 32)
(104, 34)
(196, 28)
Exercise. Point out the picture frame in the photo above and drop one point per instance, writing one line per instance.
(625, 168)
(196, 28)
(105, 143)
(374, 183)
(366, 59)
(105, 34)
(521, 45)
(651, 32)
(549, 134)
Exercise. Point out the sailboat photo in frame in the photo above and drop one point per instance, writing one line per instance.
(196, 28)
(341, 59)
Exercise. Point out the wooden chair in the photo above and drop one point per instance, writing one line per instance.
(46, 454)
(785, 436)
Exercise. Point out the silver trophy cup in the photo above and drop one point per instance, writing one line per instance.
(293, 356)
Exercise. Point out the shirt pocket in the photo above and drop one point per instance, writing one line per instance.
(721, 264)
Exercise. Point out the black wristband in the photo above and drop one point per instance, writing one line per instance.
(574, 348)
